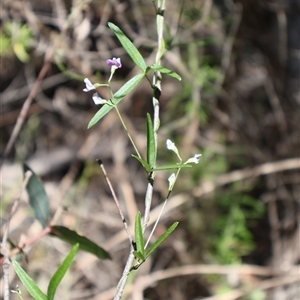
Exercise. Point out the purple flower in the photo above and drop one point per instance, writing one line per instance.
(114, 62)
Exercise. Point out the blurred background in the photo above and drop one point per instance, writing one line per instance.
(237, 104)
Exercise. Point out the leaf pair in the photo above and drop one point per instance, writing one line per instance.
(140, 252)
(31, 286)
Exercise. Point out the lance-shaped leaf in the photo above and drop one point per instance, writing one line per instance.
(139, 239)
(28, 282)
(37, 198)
(172, 166)
(72, 237)
(161, 238)
(151, 149)
(127, 88)
(118, 96)
(129, 47)
(143, 162)
(164, 70)
(60, 272)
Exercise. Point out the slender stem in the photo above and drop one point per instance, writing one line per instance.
(156, 95)
(116, 200)
(128, 134)
(162, 209)
(155, 99)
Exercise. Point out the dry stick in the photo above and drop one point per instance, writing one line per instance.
(6, 262)
(26, 105)
(116, 200)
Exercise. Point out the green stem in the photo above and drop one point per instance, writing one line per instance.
(162, 209)
(128, 134)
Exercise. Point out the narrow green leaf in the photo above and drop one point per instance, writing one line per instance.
(143, 162)
(138, 255)
(60, 272)
(151, 149)
(132, 51)
(173, 166)
(72, 237)
(29, 284)
(127, 88)
(118, 96)
(37, 198)
(139, 239)
(164, 70)
(99, 115)
(161, 238)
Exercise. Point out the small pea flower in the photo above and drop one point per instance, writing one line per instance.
(171, 146)
(89, 85)
(98, 100)
(114, 63)
(171, 180)
(195, 159)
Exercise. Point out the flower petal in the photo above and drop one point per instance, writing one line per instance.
(171, 180)
(89, 85)
(97, 99)
(170, 145)
(195, 159)
(114, 62)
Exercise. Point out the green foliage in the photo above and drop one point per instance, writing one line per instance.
(37, 198)
(72, 237)
(140, 253)
(129, 47)
(28, 282)
(139, 61)
(118, 96)
(139, 238)
(60, 272)
(5, 43)
(233, 237)
(161, 239)
(151, 147)
(165, 71)
(18, 38)
(31, 286)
